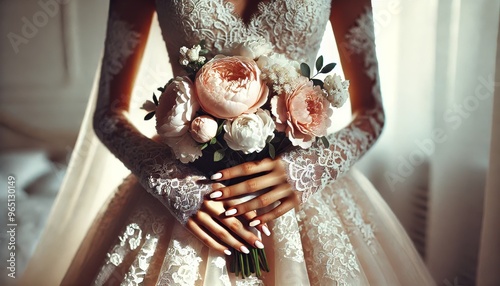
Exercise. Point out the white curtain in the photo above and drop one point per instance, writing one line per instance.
(436, 164)
(489, 257)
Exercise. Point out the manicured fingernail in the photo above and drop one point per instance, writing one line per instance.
(259, 244)
(215, 195)
(244, 249)
(254, 223)
(216, 176)
(227, 252)
(266, 230)
(231, 212)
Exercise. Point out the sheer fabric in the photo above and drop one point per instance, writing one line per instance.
(343, 235)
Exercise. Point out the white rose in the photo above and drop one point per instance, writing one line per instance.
(249, 132)
(203, 128)
(176, 109)
(183, 59)
(184, 147)
(193, 54)
(337, 90)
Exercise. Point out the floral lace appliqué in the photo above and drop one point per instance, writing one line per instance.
(141, 233)
(286, 233)
(182, 260)
(333, 256)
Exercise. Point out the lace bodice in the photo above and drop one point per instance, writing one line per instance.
(294, 27)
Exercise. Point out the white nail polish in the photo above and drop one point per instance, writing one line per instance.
(254, 223)
(227, 252)
(266, 230)
(244, 249)
(216, 176)
(231, 212)
(259, 244)
(215, 195)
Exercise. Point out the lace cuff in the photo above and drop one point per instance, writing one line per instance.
(310, 170)
(180, 188)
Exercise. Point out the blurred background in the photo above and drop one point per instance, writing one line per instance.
(437, 163)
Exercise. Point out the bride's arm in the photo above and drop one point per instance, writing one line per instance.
(180, 188)
(297, 174)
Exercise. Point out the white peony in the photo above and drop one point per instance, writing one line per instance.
(337, 90)
(249, 132)
(184, 147)
(176, 109)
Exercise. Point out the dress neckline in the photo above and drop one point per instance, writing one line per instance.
(261, 7)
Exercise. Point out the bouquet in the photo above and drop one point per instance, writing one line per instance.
(245, 104)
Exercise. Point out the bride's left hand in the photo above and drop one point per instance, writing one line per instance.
(267, 174)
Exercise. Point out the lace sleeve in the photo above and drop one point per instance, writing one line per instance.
(310, 170)
(179, 187)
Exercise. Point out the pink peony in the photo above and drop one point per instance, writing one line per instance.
(203, 128)
(302, 114)
(227, 87)
(177, 108)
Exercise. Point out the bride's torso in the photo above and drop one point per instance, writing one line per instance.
(294, 27)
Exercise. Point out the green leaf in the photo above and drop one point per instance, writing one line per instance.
(328, 68)
(272, 151)
(219, 155)
(319, 63)
(155, 99)
(325, 141)
(203, 52)
(317, 82)
(161, 89)
(149, 115)
(305, 70)
(219, 129)
(203, 43)
(213, 141)
(204, 146)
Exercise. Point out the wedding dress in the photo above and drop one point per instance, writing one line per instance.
(343, 235)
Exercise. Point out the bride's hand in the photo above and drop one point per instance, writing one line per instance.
(267, 174)
(216, 230)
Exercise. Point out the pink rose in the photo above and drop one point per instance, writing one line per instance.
(203, 128)
(177, 108)
(227, 87)
(303, 114)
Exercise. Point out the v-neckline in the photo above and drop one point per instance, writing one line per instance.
(257, 13)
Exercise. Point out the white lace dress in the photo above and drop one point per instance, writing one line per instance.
(343, 235)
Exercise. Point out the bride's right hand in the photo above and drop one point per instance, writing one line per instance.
(217, 231)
